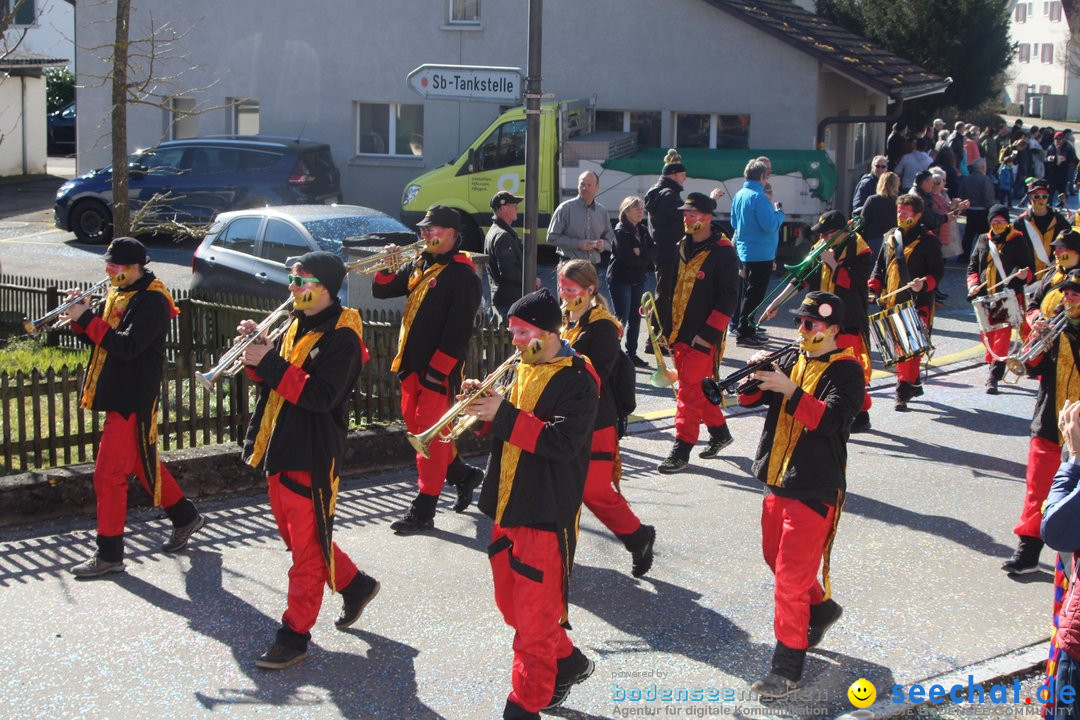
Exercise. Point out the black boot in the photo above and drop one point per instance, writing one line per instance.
(640, 544)
(861, 423)
(420, 517)
(513, 711)
(997, 371)
(677, 459)
(572, 669)
(787, 667)
(1026, 558)
(904, 392)
(465, 478)
(822, 616)
(719, 438)
(289, 648)
(354, 598)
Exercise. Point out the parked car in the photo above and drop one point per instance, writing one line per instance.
(191, 181)
(246, 250)
(60, 129)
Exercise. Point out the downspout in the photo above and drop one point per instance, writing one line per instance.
(892, 116)
(22, 120)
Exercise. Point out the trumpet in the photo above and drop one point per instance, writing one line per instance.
(663, 376)
(54, 320)
(232, 361)
(387, 260)
(714, 390)
(1036, 344)
(456, 421)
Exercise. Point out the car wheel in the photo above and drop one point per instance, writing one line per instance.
(91, 222)
(471, 239)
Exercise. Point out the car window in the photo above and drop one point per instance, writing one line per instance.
(318, 162)
(212, 160)
(338, 229)
(282, 241)
(239, 236)
(256, 160)
(68, 112)
(163, 162)
(504, 147)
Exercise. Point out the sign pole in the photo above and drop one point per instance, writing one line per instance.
(532, 145)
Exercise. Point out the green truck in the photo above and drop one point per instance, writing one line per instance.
(803, 180)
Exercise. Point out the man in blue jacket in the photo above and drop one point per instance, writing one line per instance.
(757, 225)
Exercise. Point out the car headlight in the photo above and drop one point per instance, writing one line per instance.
(409, 195)
(62, 190)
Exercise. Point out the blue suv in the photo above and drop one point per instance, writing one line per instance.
(195, 179)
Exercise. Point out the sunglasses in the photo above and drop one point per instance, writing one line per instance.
(806, 323)
(300, 281)
(881, 167)
(1040, 197)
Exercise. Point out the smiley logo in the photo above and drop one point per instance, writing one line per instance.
(862, 693)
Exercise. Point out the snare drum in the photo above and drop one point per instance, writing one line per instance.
(997, 311)
(899, 333)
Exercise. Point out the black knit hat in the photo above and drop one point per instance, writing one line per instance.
(672, 168)
(998, 210)
(126, 251)
(700, 202)
(820, 305)
(327, 267)
(1068, 239)
(539, 308)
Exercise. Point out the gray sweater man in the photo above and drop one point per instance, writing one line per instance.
(580, 227)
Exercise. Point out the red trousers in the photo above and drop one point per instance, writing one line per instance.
(600, 494)
(117, 460)
(295, 517)
(855, 342)
(793, 539)
(691, 407)
(1044, 457)
(527, 568)
(421, 407)
(908, 370)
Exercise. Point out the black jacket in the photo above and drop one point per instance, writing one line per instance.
(816, 470)
(505, 263)
(130, 379)
(1015, 252)
(925, 261)
(849, 281)
(438, 338)
(714, 298)
(599, 341)
(662, 202)
(867, 186)
(879, 216)
(1047, 225)
(626, 266)
(1044, 421)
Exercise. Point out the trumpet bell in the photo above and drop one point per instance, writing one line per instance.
(662, 377)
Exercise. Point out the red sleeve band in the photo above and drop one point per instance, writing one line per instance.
(292, 384)
(255, 377)
(718, 320)
(972, 279)
(809, 411)
(931, 283)
(527, 429)
(748, 399)
(843, 279)
(874, 284)
(442, 363)
(365, 354)
(97, 329)
(384, 278)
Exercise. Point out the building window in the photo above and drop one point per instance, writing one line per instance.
(1025, 52)
(861, 149)
(1047, 53)
(712, 131)
(646, 123)
(182, 120)
(1055, 11)
(245, 116)
(1020, 14)
(24, 14)
(389, 129)
(464, 12)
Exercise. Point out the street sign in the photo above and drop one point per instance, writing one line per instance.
(467, 82)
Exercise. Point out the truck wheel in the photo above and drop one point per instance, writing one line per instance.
(471, 239)
(91, 222)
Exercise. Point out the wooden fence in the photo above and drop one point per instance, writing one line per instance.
(42, 424)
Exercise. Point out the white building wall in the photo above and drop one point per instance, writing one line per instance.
(53, 32)
(1036, 31)
(306, 69)
(22, 148)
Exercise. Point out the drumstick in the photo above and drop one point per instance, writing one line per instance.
(1006, 281)
(898, 290)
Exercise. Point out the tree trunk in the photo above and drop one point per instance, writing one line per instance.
(121, 211)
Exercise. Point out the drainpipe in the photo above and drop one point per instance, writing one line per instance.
(892, 116)
(25, 144)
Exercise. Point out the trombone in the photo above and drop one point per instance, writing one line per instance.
(797, 274)
(53, 319)
(232, 361)
(387, 260)
(1036, 344)
(456, 421)
(663, 376)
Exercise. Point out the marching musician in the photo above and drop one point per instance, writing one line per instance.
(443, 293)
(997, 255)
(1058, 370)
(123, 379)
(1047, 296)
(705, 296)
(909, 266)
(845, 272)
(812, 399)
(297, 436)
(592, 331)
(1040, 225)
(536, 477)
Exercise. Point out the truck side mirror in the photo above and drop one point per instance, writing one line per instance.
(470, 166)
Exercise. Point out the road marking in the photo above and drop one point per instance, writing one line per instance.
(18, 239)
